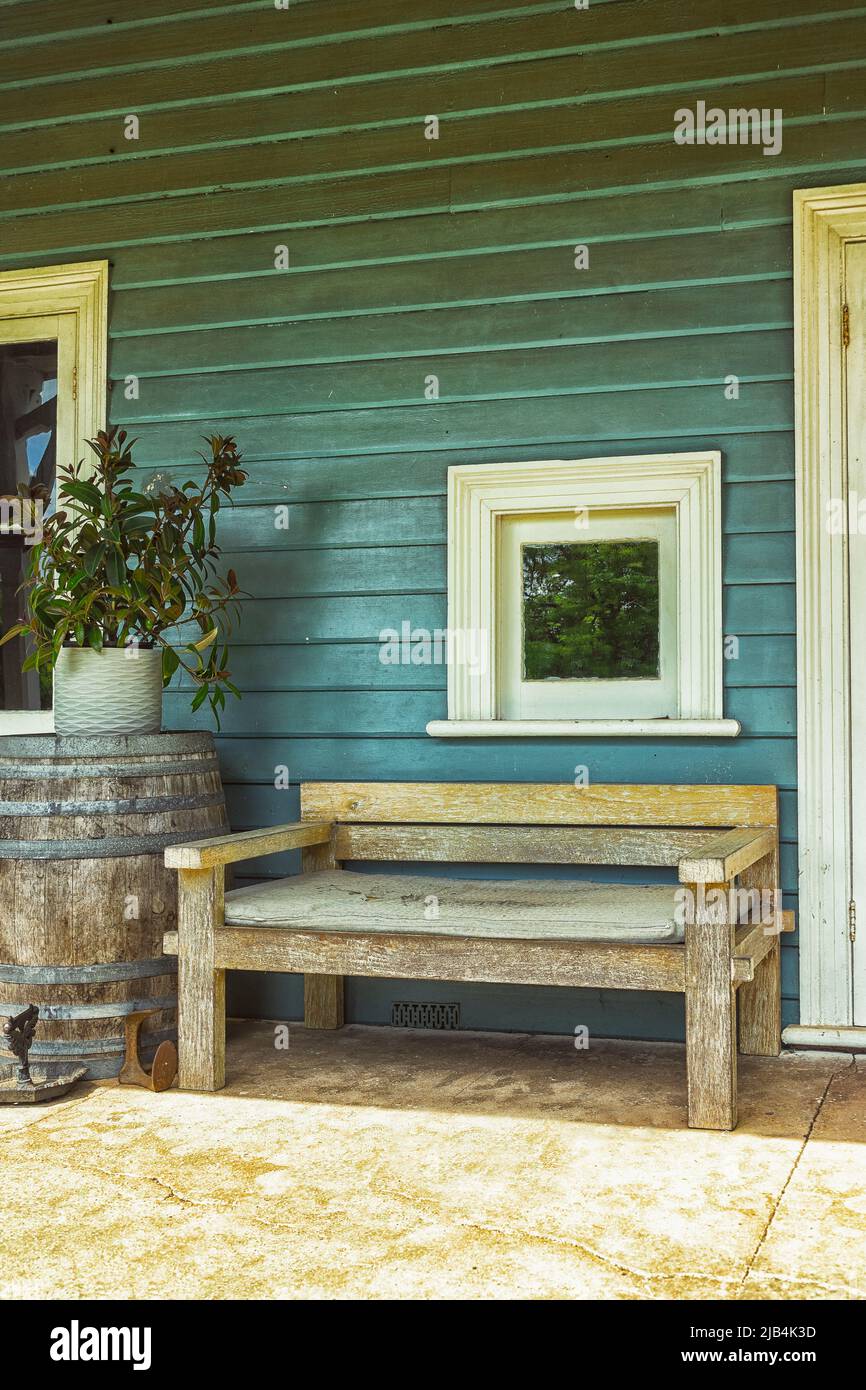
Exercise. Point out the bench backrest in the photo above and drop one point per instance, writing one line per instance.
(530, 822)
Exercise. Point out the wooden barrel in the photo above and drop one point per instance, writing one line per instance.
(84, 894)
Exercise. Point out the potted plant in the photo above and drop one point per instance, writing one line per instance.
(117, 575)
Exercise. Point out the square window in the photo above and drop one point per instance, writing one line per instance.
(592, 590)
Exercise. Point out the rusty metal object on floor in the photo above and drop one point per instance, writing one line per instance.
(164, 1069)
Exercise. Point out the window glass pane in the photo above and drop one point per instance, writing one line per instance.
(28, 437)
(591, 611)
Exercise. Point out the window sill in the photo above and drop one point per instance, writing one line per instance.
(26, 721)
(583, 728)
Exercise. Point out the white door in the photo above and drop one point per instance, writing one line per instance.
(37, 432)
(855, 378)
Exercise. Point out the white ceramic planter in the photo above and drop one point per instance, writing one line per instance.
(115, 691)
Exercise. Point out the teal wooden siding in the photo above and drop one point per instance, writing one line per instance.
(408, 257)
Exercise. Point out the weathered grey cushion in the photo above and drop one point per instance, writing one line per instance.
(339, 900)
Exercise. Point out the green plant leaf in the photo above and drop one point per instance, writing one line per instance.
(170, 663)
(115, 568)
(138, 522)
(93, 559)
(82, 491)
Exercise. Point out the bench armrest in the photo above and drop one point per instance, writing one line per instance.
(247, 844)
(724, 856)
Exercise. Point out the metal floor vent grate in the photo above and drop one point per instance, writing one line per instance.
(425, 1015)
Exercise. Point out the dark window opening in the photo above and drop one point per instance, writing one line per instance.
(28, 456)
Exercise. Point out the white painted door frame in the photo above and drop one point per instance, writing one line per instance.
(77, 296)
(855, 518)
(825, 219)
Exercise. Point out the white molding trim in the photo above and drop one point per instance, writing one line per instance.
(80, 289)
(824, 219)
(77, 293)
(583, 728)
(844, 1038)
(478, 495)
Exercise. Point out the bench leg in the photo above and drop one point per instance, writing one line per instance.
(711, 1023)
(201, 1022)
(761, 1008)
(761, 998)
(323, 1001)
(323, 994)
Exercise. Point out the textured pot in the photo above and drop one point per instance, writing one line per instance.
(115, 691)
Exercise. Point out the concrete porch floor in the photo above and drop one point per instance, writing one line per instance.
(378, 1163)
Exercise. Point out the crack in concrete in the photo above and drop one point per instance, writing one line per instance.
(134, 1179)
(120, 1177)
(770, 1277)
(654, 1282)
(651, 1281)
(214, 1204)
(170, 1192)
(794, 1166)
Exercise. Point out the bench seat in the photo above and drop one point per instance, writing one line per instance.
(340, 900)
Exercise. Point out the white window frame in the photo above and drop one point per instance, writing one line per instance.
(480, 496)
(77, 295)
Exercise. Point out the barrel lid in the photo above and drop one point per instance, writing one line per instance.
(100, 745)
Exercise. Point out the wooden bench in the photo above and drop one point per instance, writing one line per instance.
(327, 923)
